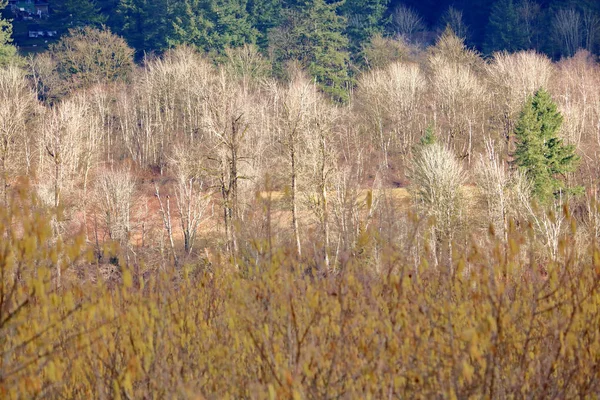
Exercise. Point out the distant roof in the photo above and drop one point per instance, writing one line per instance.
(25, 5)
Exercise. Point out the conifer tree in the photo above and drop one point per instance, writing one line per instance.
(7, 50)
(211, 25)
(505, 30)
(540, 153)
(78, 13)
(264, 15)
(144, 24)
(365, 18)
(428, 137)
(312, 34)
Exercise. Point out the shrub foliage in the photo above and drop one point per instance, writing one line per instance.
(495, 327)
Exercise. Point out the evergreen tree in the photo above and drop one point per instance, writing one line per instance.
(109, 9)
(426, 140)
(7, 51)
(429, 137)
(264, 16)
(144, 24)
(476, 17)
(77, 13)
(365, 18)
(190, 25)
(313, 35)
(505, 30)
(211, 25)
(540, 153)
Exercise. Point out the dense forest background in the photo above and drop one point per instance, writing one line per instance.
(329, 38)
(488, 25)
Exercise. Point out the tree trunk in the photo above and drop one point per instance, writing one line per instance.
(295, 201)
(323, 193)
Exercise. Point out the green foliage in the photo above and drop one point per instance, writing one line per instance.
(8, 52)
(540, 153)
(264, 15)
(211, 25)
(144, 24)
(313, 35)
(411, 306)
(365, 18)
(77, 13)
(505, 30)
(429, 136)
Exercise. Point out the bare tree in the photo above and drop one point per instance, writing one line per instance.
(591, 27)
(227, 123)
(61, 143)
(436, 183)
(165, 212)
(192, 202)
(407, 22)
(168, 105)
(453, 18)
(460, 97)
(567, 24)
(450, 48)
(90, 138)
(391, 99)
(547, 222)
(500, 187)
(529, 13)
(513, 78)
(115, 190)
(297, 108)
(247, 64)
(382, 51)
(323, 160)
(17, 106)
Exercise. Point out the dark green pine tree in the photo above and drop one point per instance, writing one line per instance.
(77, 13)
(190, 25)
(8, 52)
(476, 16)
(540, 153)
(211, 25)
(328, 63)
(365, 18)
(109, 9)
(144, 24)
(428, 137)
(313, 35)
(505, 30)
(264, 15)
(426, 140)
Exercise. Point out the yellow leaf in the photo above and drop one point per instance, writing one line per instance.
(467, 371)
(127, 279)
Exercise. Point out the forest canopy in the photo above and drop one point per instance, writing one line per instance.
(330, 39)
